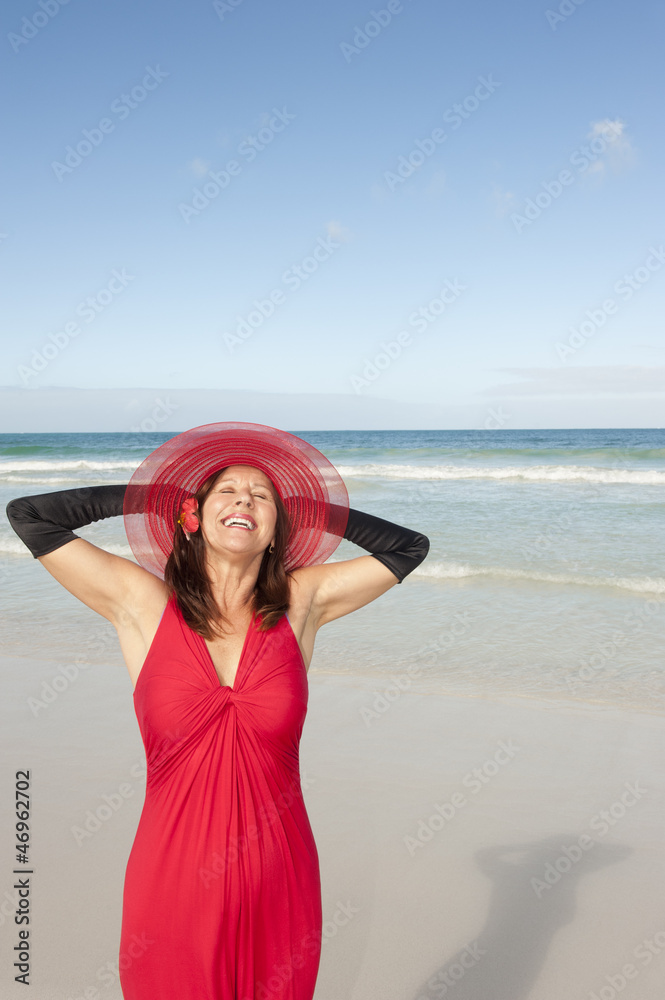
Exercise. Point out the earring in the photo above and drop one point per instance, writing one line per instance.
(272, 547)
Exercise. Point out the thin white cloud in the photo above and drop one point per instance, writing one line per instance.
(618, 152)
(581, 381)
(337, 231)
(199, 167)
(504, 201)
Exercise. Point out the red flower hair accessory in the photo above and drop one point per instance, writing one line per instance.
(188, 519)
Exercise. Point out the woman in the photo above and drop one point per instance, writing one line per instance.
(230, 524)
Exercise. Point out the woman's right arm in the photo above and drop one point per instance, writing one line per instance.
(114, 587)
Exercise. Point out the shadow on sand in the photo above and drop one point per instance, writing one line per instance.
(534, 894)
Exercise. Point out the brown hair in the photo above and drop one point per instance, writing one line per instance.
(186, 576)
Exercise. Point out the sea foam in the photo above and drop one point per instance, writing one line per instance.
(533, 473)
(457, 571)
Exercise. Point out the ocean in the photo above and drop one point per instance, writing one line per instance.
(545, 577)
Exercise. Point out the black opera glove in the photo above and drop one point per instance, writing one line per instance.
(398, 548)
(44, 522)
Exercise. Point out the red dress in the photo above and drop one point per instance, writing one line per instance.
(222, 893)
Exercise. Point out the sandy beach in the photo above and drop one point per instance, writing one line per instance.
(469, 847)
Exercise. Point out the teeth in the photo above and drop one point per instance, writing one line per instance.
(243, 522)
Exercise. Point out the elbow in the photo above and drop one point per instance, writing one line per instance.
(405, 561)
(19, 510)
(14, 509)
(417, 552)
(420, 548)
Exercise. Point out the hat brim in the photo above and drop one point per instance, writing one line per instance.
(310, 487)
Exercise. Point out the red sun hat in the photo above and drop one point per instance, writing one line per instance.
(310, 487)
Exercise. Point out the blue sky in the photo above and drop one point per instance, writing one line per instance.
(439, 286)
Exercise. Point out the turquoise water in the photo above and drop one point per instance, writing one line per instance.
(546, 573)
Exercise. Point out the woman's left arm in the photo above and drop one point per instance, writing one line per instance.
(337, 589)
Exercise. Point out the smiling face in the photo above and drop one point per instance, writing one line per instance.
(239, 513)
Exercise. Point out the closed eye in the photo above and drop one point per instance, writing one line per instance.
(228, 489)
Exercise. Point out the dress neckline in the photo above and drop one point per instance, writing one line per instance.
(232, 687)
(173, 604)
